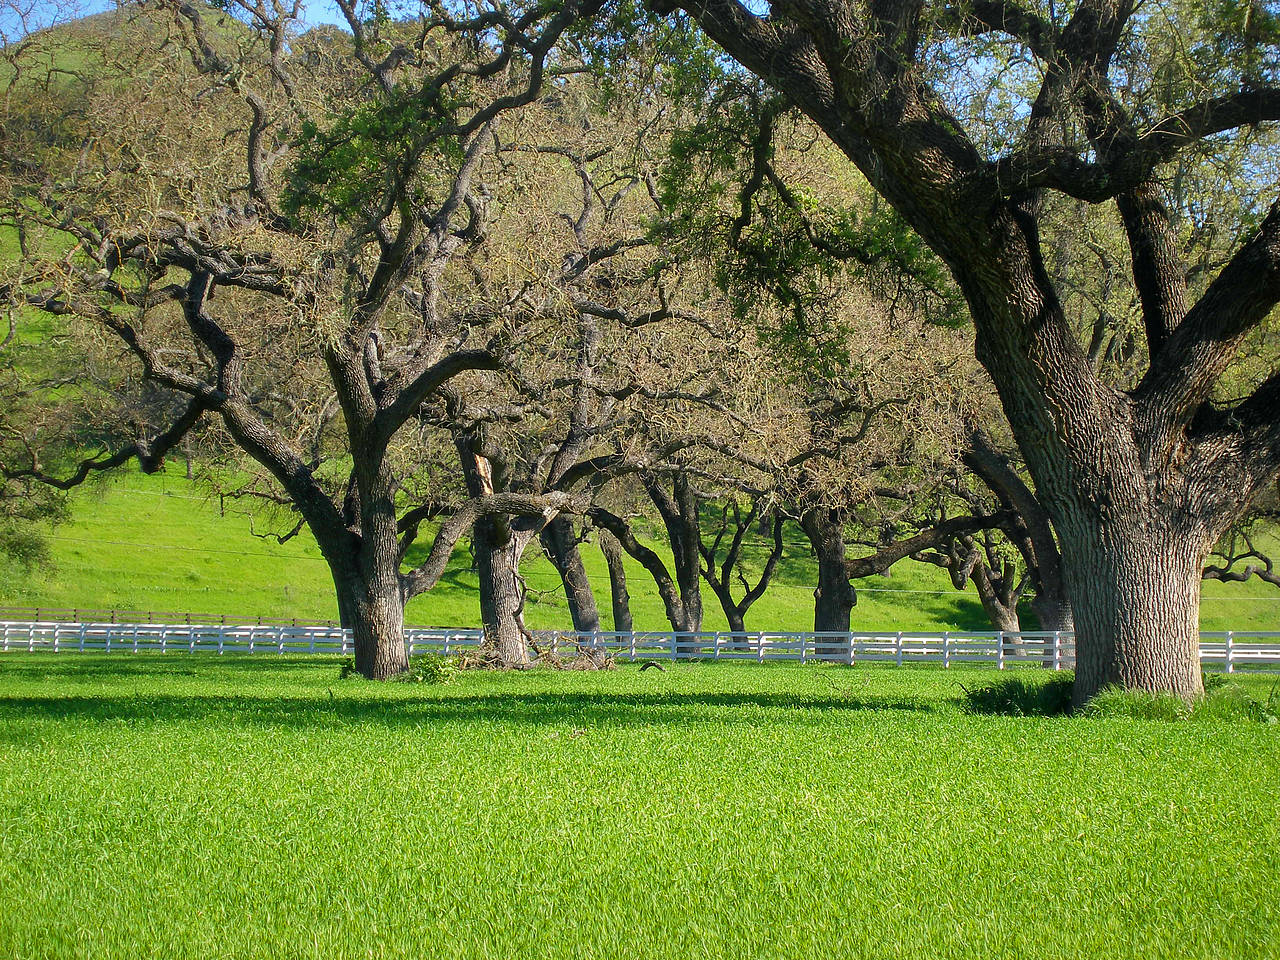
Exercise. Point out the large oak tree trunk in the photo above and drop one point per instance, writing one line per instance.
(1136, 598)
(562, 547)
(372, 608)
(1130, 525)
(378, 634)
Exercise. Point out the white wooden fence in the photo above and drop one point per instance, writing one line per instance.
(1230, 650)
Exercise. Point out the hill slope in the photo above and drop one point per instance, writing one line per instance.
(162, 543)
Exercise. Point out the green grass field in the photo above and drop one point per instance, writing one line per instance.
(162, 543)
(184, 806)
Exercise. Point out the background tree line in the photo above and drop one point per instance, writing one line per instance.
(525, 274)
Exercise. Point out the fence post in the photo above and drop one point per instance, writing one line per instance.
(675, 647)
(1057, 650)
(82, 630)
(802, 648)
(848, 639)
(760, 646)
(1000, 649)
(946, 649)
(716, 650)
(897, 648)
(1231, 644)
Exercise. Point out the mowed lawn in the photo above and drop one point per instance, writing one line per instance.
(179, 806)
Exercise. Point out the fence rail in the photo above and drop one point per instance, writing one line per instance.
(1231, 650)
(162, 617)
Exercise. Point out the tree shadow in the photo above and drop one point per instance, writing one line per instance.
(328, 709)
(74, 667)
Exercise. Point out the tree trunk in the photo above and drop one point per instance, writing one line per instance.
(498, 549)
(834, 598)
(1136, 600)
(679, 512)
(619, 598)
(378, 633)
(1053, 612)
(737, 623)
(562, 547)
(1002, 611)
(374, 613)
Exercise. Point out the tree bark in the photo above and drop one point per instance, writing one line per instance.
(1137, 609)
(1002, 613)
(377, 630)
(562, 547)
(619, 598)
(498, 549)
(1053, 612)
(679, 512)
(834, 598)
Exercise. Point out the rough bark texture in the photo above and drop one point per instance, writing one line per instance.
(1137, 599)
(498, 549)
(620, 599)
(679, 512)
(834, 598)
(562, 547)
(377, 630)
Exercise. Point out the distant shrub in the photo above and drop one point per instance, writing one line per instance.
(1017, 696)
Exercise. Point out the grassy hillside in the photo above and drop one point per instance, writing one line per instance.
(161, 543)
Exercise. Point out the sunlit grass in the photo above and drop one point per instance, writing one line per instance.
(186, 806)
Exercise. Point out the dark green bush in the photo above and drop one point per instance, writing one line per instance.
(1020, 696)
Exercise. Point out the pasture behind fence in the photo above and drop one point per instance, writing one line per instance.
(1230, 650)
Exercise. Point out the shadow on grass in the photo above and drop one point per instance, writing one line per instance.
(324, 701)
(76, 667)
(638, 709)
(1021, 696)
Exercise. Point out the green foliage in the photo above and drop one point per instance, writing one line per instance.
(351, 166)
(191, 806)
(27, 510)
(627, 46)
(1021, 696)
(431, 668)
(782, 253)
